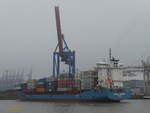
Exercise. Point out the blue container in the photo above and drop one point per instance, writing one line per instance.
(23, 86)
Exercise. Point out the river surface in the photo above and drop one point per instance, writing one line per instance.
(128, 106)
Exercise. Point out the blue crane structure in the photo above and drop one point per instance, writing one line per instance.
(62, 53)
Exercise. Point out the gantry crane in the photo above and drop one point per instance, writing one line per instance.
(62, 53)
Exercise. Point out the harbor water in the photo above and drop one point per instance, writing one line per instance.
(127, 106)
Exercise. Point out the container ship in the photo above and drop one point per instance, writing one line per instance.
(92, 95)
(86, 88)
(105, 85)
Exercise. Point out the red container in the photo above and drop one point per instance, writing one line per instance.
(27, 90)
(41, 90)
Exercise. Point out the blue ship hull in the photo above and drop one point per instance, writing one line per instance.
(101, 94)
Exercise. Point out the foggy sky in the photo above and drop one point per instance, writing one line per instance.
(28, 32)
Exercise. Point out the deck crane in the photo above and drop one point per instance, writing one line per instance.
(62, 53)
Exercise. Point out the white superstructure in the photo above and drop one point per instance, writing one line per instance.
(110, 74)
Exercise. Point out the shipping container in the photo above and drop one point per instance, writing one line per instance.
(51, 86)
(23, 85)
(51, 89)
(78, 83)
(27, 90)
(41, 84)
(87, 83)
(40, 90)
(64, 89)
(31, 84)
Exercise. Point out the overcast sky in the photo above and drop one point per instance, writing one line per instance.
(28, 32)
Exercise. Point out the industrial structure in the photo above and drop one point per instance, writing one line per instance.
(146, 71)
(62, 52)
(88, 78)
(9, 79)
(137, 78)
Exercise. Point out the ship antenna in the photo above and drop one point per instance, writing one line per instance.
(109, 54)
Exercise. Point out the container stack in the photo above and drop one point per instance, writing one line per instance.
(87, 83)
(64, 85)
(41, 84)
(23, 86)
(78, 84)
(51, 86)
(40, 89)
(31, 84)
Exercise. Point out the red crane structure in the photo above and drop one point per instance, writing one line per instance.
(62, 52)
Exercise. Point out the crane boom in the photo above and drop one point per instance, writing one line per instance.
(62, 52)
(59, 34)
